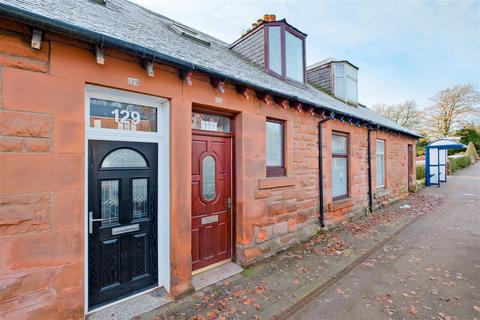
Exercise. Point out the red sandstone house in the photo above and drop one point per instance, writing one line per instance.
(136, 151)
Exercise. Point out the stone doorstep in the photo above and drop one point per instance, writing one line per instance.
(211, 276)
(131, 307)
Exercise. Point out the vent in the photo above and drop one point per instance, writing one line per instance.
(101, 2)
(188, 33)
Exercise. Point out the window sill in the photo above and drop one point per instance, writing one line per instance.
(340, 204)
(382, 192)
(276, 182)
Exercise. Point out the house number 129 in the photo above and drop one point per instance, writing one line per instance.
(125, 115)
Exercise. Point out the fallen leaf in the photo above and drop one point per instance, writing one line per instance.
(413, 310)
(212, 315)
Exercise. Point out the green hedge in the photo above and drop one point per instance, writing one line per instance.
(454, 164)
(457, 163)
(420, 171)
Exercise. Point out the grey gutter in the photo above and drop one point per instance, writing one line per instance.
(101, 39)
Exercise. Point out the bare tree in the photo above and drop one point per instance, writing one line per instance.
(452, 108)
(405, 114)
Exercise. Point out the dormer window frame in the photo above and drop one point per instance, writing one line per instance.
(284, 28)
(346, 77)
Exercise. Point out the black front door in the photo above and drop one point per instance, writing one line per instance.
(122, 228)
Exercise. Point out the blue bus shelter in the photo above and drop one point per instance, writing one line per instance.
(436, 153)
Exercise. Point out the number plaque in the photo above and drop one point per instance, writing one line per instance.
(107, 114)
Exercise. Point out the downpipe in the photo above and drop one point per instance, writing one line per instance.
(369, 157)
(320, 169)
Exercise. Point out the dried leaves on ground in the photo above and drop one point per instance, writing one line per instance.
(277, 278)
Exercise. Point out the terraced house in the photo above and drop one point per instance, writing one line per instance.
(137, 151)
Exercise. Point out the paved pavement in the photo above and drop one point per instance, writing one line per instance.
(430, 271)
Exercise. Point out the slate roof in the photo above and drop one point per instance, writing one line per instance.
(145, 32)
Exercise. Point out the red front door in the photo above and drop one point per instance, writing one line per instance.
(211, 200)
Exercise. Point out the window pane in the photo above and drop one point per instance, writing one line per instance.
(294, 57)
(109, 201)
(351, 72)
(380, 146)
(339, 177)
(380, 172)
(339, 69)
(122, 116)
(340, 87)
(274, 138)
(208, 178)
(275, 49)
(139, 198)
(351, 90)
(380, 163)
(124, 158)
(210, 122)
(339, 144)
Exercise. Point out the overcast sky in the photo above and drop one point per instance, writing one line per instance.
(404, 49)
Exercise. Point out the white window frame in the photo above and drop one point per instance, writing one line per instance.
(162, 138)
(345, 78)
(345, 156)
(383, 162)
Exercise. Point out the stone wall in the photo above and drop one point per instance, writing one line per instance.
(41, 195)
(292, 203)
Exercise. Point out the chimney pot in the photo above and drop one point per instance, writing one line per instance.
(266, 17)
(273, 18)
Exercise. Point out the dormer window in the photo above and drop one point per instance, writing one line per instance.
(345, 85)
(285, 52)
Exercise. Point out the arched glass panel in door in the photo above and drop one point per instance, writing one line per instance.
(124, 158)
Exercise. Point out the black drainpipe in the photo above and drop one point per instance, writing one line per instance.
(370, 191)
(320, 168)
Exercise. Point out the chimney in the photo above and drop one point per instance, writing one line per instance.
(269, 18)
(266, 18)
(338, 78)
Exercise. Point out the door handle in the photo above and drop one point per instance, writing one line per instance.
(91, 221)
(229, 203)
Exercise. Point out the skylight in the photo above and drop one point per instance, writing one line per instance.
(188, 33)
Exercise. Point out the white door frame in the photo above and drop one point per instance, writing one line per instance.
(162, 138)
